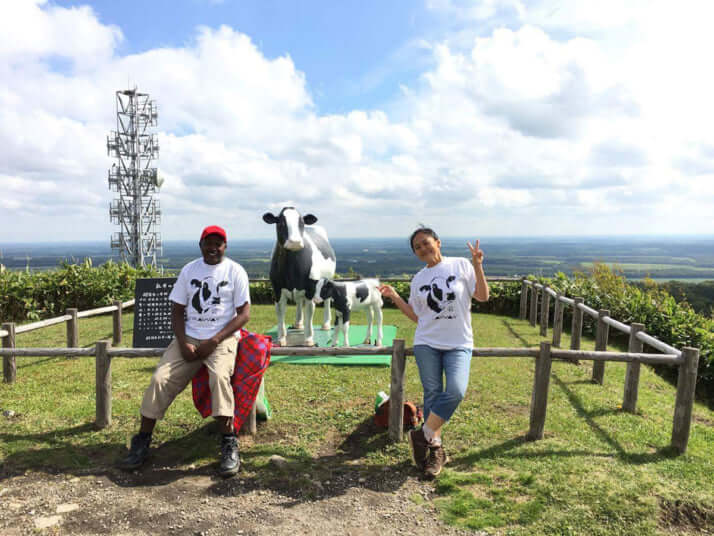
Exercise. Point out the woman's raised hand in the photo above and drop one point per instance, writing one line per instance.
(476, 252)
(388, 291)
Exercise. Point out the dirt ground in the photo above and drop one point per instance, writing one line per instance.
(194, 500)
(156, 501)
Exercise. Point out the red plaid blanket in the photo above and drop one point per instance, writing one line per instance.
(252, 360)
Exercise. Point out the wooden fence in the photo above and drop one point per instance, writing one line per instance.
(686, 360)
(71, 317)
(103, 353)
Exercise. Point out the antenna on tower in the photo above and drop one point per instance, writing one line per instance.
(136, 211)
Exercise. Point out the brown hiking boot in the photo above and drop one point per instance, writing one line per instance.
(419, 446)
(435, 461)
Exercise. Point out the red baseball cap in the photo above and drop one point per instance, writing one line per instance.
(214, 229)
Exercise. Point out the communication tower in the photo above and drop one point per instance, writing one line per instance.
(136, 210)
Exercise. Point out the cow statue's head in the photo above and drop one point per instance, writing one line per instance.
(289, 227)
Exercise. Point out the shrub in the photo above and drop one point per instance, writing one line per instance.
(26, 295)
(676, 324)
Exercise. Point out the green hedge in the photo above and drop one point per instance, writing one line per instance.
(26, 295)
(676, 324)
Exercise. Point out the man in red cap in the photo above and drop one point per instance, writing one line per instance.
(210, 302)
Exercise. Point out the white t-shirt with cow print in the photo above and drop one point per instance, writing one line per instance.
(211, 294)
(441, 298)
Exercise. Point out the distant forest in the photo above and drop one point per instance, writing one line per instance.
(688, 260)
(699, 295)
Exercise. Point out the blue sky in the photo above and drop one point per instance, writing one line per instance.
(355, 53)
(483, 118)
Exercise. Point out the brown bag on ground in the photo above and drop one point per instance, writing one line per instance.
(412, 416)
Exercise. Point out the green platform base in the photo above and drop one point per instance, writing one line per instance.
(323, 339)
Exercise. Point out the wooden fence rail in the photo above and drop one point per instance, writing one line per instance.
(686, 361)
(637, 336)
(71, 318)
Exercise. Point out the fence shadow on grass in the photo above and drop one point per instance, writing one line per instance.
(589, 417)
(60, 455)
(526, 343)
(64, 453)
(27, 363)
(511, 448)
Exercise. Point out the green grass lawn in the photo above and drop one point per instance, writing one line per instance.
(597, 470)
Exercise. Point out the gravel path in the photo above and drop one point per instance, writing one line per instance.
(194, 501)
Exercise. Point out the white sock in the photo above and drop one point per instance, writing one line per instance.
(430, 437)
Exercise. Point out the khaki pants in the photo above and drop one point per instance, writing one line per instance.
(173, 373)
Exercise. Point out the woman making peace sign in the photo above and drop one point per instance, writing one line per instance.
(440, 303)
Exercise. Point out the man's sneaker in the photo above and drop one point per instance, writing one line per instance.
(230, 459)
(419, 446)
(435, 461)
(138, 452)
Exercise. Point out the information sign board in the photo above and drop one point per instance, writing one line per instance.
(152, 312)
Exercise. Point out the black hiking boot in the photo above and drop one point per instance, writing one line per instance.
(230, 458)
(138, 452)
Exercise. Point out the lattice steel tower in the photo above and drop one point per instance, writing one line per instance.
(136, 211)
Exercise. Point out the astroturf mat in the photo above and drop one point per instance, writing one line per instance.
(323, 339)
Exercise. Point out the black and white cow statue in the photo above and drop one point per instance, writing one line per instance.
(350, 296)
(301, 257)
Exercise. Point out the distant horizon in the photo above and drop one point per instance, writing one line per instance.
(443, 237)
(685, 257)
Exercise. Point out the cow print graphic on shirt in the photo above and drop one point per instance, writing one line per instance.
(440, 296)
(204, 300)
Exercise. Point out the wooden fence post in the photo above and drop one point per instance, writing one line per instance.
(544, 312)
(72, 329)
(534, 305)
(686, 383)
(116, 323)
(632, 375)
(576, 330)
(524, 299)
(539, 398)
(601, 335)
(557, 320)
(103, 384)
(396, 391)
(9, 368)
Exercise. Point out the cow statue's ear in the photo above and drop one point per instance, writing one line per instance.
(269, 218)
(309, 219)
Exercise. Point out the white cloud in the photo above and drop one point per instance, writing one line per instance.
(558, 121)
(29, 32)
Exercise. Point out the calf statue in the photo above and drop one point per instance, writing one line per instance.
(347, 297)
(302, 256)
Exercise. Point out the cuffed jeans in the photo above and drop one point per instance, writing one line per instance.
(434, 365)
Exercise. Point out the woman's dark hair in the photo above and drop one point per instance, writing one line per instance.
(427, 231)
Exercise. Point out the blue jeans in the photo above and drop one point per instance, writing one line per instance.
(433, 365)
